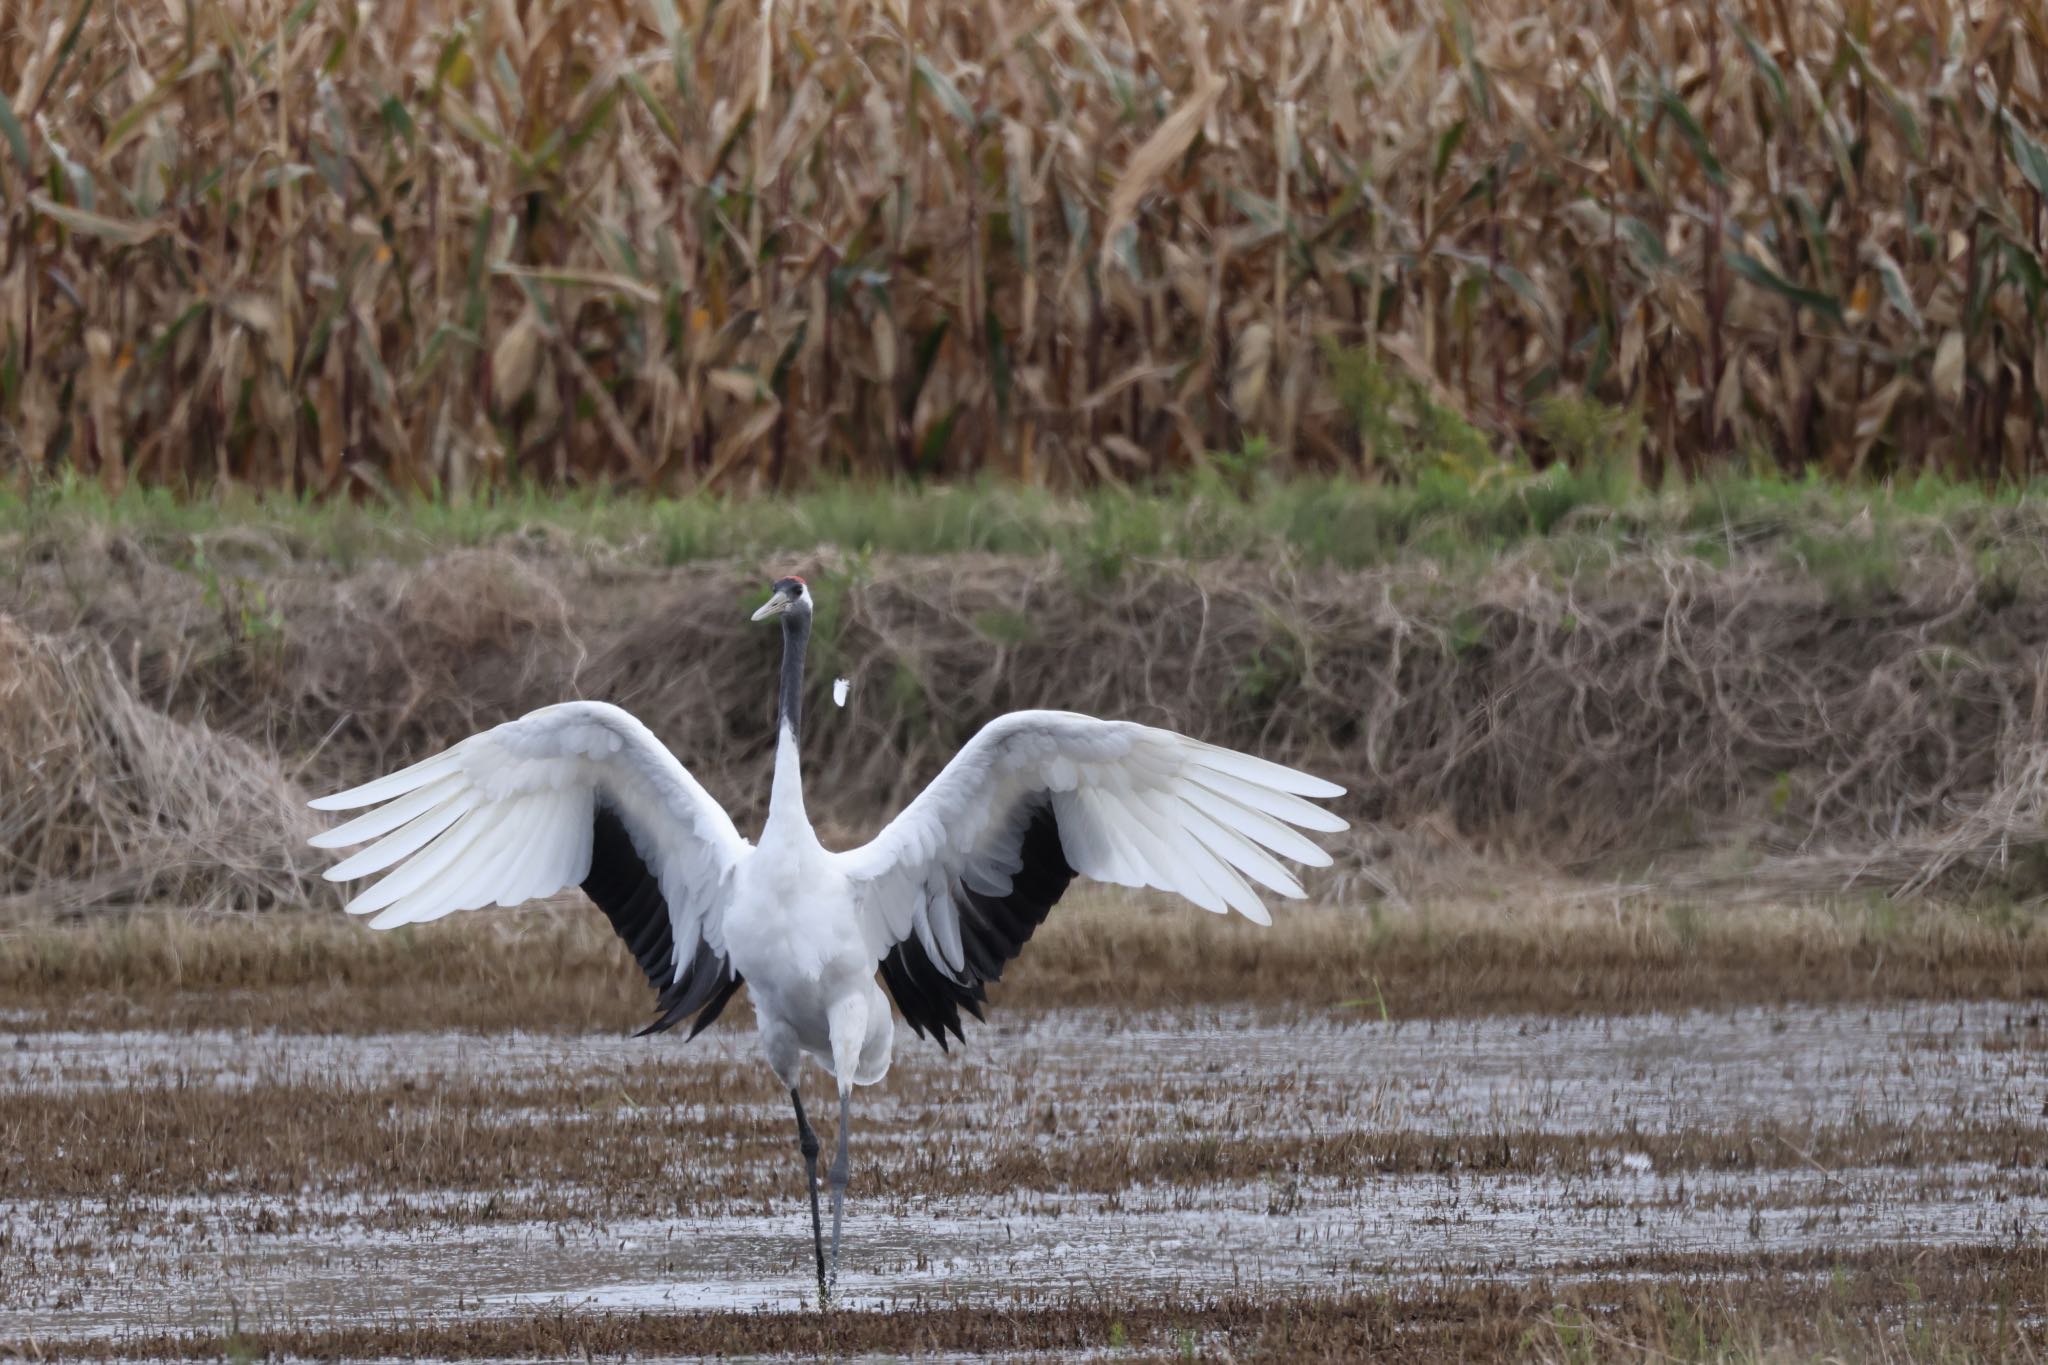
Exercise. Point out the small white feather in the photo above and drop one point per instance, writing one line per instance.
(840, 687)
(946, 929)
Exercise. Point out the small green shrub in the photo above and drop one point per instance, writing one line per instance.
(1403, 429)
(1599, 442)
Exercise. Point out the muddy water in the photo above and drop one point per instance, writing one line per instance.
(194, 1261)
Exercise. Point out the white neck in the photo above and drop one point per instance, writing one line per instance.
(786, 797)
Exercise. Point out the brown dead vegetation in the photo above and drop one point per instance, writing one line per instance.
(1893, 1304)
(352, 247)
(684, 1136)
(165, 1160)
(1728, 732)
(168, 1158)
(110, 802)
(563, 971)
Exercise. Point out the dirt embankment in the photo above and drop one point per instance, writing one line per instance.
(1672, 722)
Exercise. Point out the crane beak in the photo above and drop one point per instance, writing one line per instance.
(774, 606)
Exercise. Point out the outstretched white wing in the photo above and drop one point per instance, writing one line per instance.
(953, 887)
(580, 794)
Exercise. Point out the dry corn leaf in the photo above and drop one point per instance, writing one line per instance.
(1250, 359)
(1167, 144)
(516, 359)
(1948, 367)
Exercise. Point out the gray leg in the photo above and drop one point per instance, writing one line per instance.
(838, 1177)
(808, 1141)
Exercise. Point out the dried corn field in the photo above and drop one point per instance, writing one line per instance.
(680, 244)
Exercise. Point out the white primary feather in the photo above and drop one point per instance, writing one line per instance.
(384, 819)
(420, 870)
(564, 838)
(1255, 825)
(396, 784)
(1261, 772)
(531, 834)
(449, 807)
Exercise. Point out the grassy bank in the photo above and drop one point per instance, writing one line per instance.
(449, 247)
(1573, 523)
(1747, 687)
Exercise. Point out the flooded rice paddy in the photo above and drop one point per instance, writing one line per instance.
(191, 1182)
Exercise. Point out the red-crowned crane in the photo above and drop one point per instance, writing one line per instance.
(582, 794)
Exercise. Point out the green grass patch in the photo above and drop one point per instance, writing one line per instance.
(1850, 539)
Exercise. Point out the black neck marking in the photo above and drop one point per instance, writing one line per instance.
(796, 635)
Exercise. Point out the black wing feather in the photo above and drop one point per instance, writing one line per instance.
(630, 896)
(993, 930)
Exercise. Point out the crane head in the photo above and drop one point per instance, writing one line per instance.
(784, 595)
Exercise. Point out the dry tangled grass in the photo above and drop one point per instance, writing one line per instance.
(109, 802)
(1899, 1305)
(689, 244)
(560, 969)
(1648, 723)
